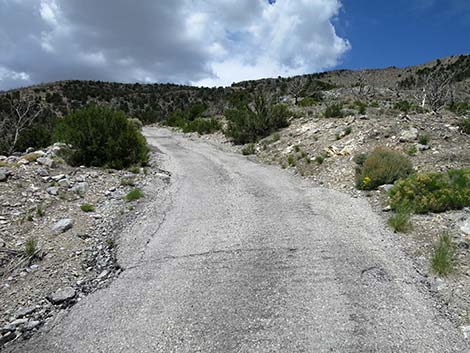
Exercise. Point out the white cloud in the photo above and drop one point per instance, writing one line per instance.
(210, 42)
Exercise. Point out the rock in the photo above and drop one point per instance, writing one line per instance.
(18, 322)
(62, 226)
(440, 284)
(45, 161)
(465, 227)
(31, 325)
(421, 147)
(387, 208)
(58, 177)
(62, 295)
(4, 174)
(42, 172)
(103, 274)
(465, 331)
(386, 187)
(80, 188)
(164, 177)
(53, 191)
(24, 312)
(409, 135)
(65, 183)
(2, 243)
(9, 336)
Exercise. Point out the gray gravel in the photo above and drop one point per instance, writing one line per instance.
(247, 258)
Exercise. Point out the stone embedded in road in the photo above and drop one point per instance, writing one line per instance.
(62, 226)
(24, 312)
(62, 295)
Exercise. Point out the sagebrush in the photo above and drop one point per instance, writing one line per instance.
(102, 137)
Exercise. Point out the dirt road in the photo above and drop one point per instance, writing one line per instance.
(248, 258)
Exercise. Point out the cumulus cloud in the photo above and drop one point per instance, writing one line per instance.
(202, 42)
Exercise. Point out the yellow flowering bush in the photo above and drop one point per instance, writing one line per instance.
(382, 166)
(433, 192)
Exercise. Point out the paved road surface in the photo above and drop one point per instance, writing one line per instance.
(248, 258)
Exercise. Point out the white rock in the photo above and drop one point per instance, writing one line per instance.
(58, 177)
(53, 191)
(48, 162)
(62, 226)
(409, 135)
(465, 227)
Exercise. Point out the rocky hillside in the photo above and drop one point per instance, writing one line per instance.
(442, 81)
(58, 226)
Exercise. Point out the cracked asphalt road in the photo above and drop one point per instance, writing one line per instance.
(248, 258)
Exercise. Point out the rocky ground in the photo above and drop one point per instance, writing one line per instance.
(58, 230)
(322, 150)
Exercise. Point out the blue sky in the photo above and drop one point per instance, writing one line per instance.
(218, 42)
(402, 32)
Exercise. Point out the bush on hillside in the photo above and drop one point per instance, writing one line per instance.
(248, 125)
(433, 192)
(334, 111)
(403, 106)
(202, 126)
(382, 166)
(192, 120)
(465, 126)
(100, 137)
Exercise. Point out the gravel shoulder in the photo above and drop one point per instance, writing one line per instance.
(245, 257)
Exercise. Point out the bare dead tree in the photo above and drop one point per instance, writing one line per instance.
(297, 87)
(363, 88)
(16, 114)
(435, 89)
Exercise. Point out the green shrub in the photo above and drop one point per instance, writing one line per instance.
(134, 195)
(382, 166)
(412, 150)
(87, 207)
(424, 139)
(248, 125)
(400, 221)
(136, 123)
(308, 102)
(320, 159)
(360, 159)
(403, 106)
(134, 170)
(30, 247)
(361, 107)
(334, 111)
(433, 192)
(249, 149)
(465, 126)
(459, 108)
(275, 137)
(291, 160)
(202, 126)
(101, 137)
(442, 261)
